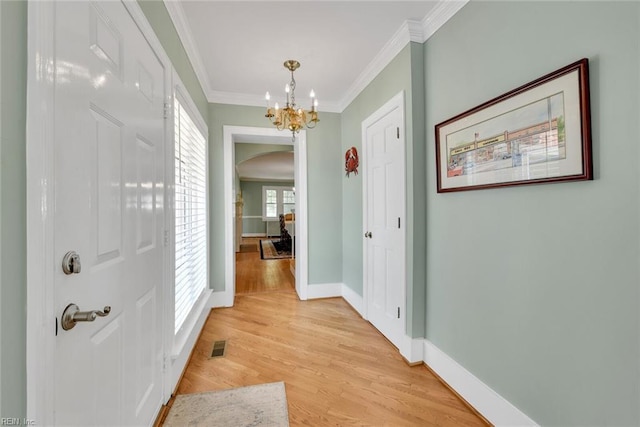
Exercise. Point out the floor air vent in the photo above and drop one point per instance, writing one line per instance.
(218, 348)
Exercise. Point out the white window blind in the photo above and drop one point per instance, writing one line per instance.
(190, 214)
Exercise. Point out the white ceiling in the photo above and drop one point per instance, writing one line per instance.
(276, 166)
(237, 48)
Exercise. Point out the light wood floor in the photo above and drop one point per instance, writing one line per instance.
(259, 275)
(337, 368)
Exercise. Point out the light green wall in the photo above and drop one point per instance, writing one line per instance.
(404, 73)
(252, 197)
(157, 14)
(416, 197)
(324, 170)
(325, 164)
(13, 214)
(534, 289)
(252, 194)
(553, 325)
(246, 151)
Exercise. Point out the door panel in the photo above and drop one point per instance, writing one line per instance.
(109, 207)
(108, 164)
(385, 247)
(145, 166)
(146, 375)
(107, 372)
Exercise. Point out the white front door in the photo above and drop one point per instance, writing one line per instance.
(109, 209)
(384, 221)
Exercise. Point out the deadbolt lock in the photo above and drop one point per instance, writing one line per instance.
(71, 263)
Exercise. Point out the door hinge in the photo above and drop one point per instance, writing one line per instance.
(398, 132)
(398, 222)
(166, 238)
(398, 312)
(167, 108)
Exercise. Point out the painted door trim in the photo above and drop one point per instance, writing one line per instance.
(1, 411)
(230, 137)
(179, 346)
(39, 152)
(397, 102)
(41, 316)
(145, 27)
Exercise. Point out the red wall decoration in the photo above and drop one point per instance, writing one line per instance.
(351, 161)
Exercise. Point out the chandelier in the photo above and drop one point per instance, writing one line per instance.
(289, 117)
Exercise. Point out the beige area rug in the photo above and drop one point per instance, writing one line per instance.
(258, 405)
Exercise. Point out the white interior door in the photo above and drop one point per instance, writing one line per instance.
(109, 208)
(384, 222)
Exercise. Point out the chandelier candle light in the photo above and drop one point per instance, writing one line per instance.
(289, 117)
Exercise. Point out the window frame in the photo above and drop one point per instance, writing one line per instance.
(181, 95)
(279, 201)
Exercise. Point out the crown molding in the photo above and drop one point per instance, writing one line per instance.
(440, 14)
(233, 98)
(414, 29)
(408, 31)
(176, 13)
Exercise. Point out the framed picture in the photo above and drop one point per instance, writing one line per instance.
(537, 133)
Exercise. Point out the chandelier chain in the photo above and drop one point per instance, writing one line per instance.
(292, 85)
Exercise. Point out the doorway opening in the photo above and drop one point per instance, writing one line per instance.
(265, 218)
(236, 136)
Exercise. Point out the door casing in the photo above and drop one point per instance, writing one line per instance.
(231, 135)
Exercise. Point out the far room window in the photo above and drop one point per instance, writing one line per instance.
(288, 201)
(276, 201)
(271, 203)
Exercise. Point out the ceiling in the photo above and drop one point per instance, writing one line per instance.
(276, 166)
(237, 48)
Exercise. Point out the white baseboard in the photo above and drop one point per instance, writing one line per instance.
(495, 408)
(254, 234)
(219, 299)
(324, 290)
(412, 349)
(490, 404)
(354, 300)
(486, 401)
